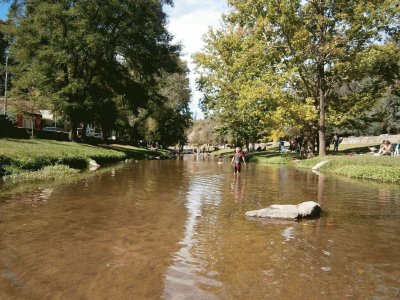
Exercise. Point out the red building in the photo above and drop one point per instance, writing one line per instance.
(29, 120)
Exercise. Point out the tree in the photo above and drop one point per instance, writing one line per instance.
(174, 116)
(207, 132)
(299, 61)
(167, 115)
(4, 44)
(81, 55)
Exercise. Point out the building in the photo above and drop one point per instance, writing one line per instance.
(29, 120)
(23, 113)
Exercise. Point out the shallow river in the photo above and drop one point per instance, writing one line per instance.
(176, 230)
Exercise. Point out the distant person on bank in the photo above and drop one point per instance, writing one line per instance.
(335, 142)
(385, 149)
(281, 145)
(237, 158)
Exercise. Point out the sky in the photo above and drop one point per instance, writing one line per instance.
(189, 20)
(3, 10)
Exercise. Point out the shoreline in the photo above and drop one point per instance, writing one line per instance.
(39, 161)
(384, 169)
(29, 161)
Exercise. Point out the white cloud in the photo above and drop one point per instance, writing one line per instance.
(189, 20)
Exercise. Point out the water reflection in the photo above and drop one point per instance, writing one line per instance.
(98, 235)
(182, 278)
(176, 230)
(237, 186)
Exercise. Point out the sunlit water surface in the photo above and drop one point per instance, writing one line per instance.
(176, 230)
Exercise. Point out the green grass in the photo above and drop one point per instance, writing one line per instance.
(48, 173)
(352, 161)
(227, 152)
(20, 157)
(31, 160)
(380, 168)
(271, 157)
(133, 152)
(268, 157)
(33, 155)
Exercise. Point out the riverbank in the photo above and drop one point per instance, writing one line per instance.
(45, 160)
(379, 168)
(41, 160)
(352, 160)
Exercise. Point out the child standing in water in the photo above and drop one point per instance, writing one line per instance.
(236, 159)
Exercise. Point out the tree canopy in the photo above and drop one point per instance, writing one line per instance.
(89, 58)
(310, 65)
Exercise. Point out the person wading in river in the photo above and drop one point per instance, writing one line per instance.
(236, 159)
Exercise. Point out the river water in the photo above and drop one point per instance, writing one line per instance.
(176, 230)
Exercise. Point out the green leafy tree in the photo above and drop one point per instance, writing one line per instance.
(206, 132)
(81, 55)
(173, 116)
(296, 63)
(167, 115)
(4, 44)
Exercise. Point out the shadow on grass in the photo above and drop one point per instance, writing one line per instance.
(135, 153)
(355, 150)
(271, 157)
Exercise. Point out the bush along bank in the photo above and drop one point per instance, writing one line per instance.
(379, 168)
(44, 160)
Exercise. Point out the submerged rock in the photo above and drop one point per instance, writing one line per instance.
(308, 209)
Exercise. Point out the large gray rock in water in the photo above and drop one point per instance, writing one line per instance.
(308, 209)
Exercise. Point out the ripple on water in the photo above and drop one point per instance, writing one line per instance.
(288, 234)
(184, 277)
(177, 230)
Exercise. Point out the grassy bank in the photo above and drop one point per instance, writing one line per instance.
(356, 161)
(223, 152)
(380, 168)
(352, 160)
(139, 153)
(30, 160)
(53, 173)
(268, 157)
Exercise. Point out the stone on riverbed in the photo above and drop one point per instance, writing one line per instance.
(308, 209)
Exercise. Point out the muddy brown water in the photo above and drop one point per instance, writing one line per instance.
(176, 230)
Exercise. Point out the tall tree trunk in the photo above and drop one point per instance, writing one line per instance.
(104, 132)
(308, 144)
(321, 81)
(321, 127)
(83, 134)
